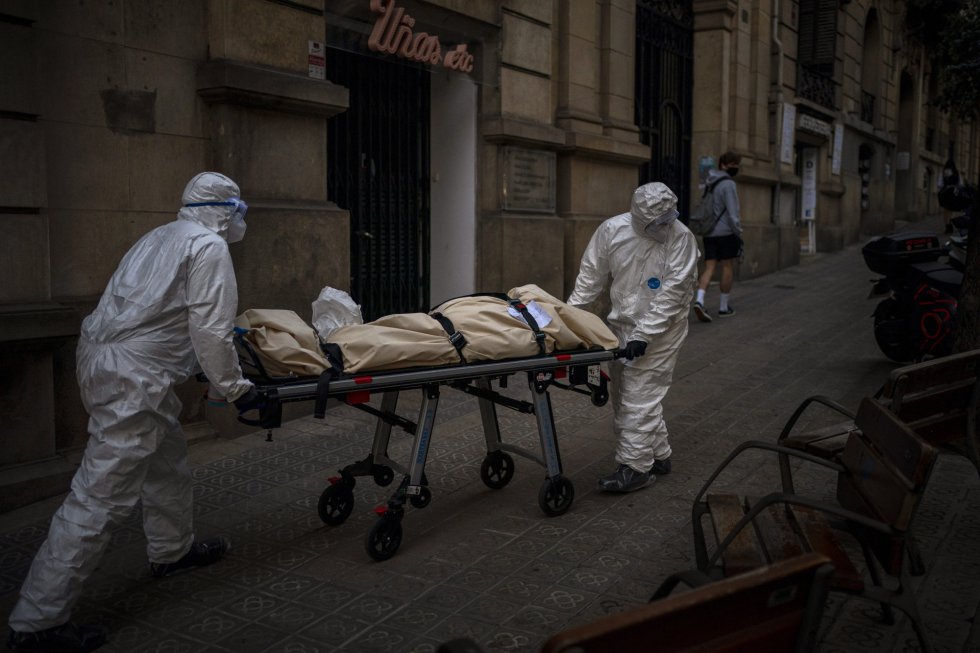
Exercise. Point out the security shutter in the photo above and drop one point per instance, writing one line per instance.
(378, 169)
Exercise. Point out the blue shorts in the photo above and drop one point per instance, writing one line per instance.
(721, 248)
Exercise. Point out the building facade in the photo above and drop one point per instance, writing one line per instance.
(409, 151)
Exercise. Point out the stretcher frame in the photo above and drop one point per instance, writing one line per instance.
(577, 368)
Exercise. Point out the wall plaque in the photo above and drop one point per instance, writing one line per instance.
(528, 180)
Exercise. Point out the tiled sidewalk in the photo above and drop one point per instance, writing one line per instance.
(488, 564)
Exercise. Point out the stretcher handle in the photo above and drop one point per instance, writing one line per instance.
(270, 414)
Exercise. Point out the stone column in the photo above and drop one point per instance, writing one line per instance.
(598, 165)
(267, 130)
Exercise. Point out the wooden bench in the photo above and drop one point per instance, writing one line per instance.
(774, 609)
(881, 475)
(937, 399)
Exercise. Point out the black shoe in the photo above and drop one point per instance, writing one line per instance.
(66, 638)
(202, 553)
(730, 311)
(660, 467)
(624, 479)
(700, 311)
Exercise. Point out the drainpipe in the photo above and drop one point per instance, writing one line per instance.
(778, 45)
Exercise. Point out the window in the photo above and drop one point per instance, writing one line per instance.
(817, 51)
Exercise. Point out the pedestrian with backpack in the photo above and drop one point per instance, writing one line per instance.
(723, 242)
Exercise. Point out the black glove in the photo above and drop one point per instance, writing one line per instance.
(250, 401)
(634, 349)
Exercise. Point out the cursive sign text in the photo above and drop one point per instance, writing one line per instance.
(394, 33)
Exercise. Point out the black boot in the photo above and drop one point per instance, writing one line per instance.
(660, 467)
(66, 638)
(202, 553)
(625, 479)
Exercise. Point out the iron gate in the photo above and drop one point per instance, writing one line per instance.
(378, 169)
(664, 76)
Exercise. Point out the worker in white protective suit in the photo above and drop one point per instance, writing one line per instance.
(169, 306)
(651, 259)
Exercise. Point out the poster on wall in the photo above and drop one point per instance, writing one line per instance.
(808, 198)
(789, 129)
(838, 148)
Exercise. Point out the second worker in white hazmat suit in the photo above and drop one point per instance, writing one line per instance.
(169, 306)
(648, 261)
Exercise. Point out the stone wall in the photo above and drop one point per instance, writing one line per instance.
(112, 107)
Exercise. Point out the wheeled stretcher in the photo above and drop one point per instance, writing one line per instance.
(577, 371)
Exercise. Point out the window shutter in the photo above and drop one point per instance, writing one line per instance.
(818, 35)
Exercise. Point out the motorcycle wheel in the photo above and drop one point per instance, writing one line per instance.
(892, 332)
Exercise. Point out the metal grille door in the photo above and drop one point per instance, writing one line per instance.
(378, 169)
(664, 65)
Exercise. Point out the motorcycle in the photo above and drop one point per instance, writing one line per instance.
(920, 284)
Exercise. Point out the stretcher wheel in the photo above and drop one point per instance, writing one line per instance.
(556, 496)
(422, 499)
(335, 504)
(600, 397)
(384, 538)
(383, 475)
(497, 470)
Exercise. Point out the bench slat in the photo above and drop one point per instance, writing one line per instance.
(894, 444)
(820, 537)
(744, 553)
(780, 540)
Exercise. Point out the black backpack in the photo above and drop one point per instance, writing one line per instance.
(703, 219)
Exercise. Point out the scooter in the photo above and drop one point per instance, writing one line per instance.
(920, 286)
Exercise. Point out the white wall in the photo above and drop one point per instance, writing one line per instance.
(452, 269)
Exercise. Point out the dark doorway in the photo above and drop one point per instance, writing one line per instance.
(664, 77)
(378, 169)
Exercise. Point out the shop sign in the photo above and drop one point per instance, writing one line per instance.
(317, 60)
(394, 33)
(813, 125)
(808, 199)
(835, 160)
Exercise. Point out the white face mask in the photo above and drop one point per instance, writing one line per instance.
(657, 231)
(236, 230)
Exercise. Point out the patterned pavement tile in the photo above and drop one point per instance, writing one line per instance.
(518, 589)
(294, 644)
(565, 600)
(251, 605)
(251, 638)
(538, 620)
(490, 608)
(381, 638)
(328, 596)
(289, 586)
(510, 640)
(334, 629)
(212, 626)
(416, 618)
(291, 617)
(370, 608)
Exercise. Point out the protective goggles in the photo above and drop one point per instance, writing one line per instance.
(238, 213)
